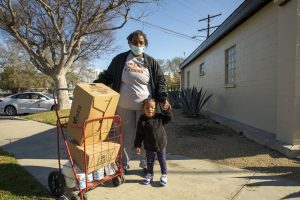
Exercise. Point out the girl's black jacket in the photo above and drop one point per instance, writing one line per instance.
(151, 131)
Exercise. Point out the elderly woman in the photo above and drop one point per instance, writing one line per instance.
(136, 76)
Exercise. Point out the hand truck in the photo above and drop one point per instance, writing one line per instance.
(57, 180)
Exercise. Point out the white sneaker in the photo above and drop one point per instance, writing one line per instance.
(163, 179)
(148, 179)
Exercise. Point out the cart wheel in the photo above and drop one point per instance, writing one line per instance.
(117, 181)
(78, 196)
(123, 179)
(75, 197)
(57, 183)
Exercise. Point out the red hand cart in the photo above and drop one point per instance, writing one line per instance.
(111, 145)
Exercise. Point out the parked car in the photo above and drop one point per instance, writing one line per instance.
(27, 102)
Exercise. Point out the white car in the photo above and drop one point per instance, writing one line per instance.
(27, 102)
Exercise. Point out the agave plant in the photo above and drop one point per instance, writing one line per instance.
(193, 101)
(173, 95)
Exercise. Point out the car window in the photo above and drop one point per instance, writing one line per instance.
(35, 96)
(50, 96)
(23, 96)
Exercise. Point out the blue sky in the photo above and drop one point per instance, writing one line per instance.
(177, 15)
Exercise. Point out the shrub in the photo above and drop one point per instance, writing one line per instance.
(173, 95)
(193, 101)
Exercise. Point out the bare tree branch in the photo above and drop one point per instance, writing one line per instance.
(56, 33)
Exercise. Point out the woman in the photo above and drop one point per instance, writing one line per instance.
(136, 76)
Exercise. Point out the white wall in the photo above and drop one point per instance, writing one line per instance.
(286, 88)
(254, 100)
(297, 78)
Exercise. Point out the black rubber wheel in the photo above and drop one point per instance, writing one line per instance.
(10, 110)
(117, 181)
(53, 108)
(75, 197)
(57, 183)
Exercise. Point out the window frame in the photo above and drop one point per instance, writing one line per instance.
(22, 95)
(201, 69)
(230, 66)
(188, 78)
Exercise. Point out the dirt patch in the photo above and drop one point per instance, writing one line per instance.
(204, 138)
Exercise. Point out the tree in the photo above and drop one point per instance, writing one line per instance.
(171, 70)
(80, 72)
(17, 72)
(56, 33)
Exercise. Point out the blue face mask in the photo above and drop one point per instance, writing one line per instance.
(137, 50)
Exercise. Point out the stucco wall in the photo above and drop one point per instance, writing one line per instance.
(267, 91)
(297, 88)
(286, 71)
(253, 100)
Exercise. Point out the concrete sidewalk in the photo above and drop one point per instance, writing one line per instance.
(34, 146)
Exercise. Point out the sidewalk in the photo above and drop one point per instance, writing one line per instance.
(34, 146)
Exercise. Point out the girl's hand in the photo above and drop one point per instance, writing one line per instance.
(138, 151)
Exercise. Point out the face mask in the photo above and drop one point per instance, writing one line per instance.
(137, 50)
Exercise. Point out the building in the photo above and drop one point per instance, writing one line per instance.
(251, 64)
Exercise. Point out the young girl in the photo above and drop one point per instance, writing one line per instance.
(151, 132)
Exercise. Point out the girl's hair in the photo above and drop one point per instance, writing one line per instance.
(147, 101)
(137, 33)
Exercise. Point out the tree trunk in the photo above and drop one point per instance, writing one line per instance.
(62, 95)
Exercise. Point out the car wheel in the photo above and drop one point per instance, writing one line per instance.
(10, 110)
(52, 108)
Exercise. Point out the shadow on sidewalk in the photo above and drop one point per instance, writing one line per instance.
(272, 181)
(286, 172)
(293, 196)
(39, 146)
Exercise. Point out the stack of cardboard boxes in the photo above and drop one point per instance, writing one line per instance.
(92, 101)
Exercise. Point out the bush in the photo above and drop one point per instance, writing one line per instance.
(173, 95)
(193, 101)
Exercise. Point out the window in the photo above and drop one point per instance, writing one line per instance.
(201, 69)
(188, 79)
(35, 96)
(230, 61)
(23, 96)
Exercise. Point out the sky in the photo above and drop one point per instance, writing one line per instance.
(180, 16)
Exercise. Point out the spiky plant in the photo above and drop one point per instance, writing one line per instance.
(192, 100)
(173, 95)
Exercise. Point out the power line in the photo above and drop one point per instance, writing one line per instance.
(180, 21)
(193, 38)
(208, 23)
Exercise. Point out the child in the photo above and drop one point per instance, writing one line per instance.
(150, 131)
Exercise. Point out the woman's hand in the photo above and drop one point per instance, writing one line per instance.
(138, 151)
(166, 105)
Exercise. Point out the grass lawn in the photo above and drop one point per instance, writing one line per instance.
(16, 182)
(47, 117)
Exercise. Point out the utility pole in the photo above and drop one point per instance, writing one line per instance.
(208, 23)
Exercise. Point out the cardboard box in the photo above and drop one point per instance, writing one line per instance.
(97, 155)
(92, 100)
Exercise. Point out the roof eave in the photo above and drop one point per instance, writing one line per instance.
(240, 15)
